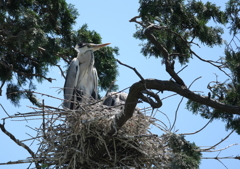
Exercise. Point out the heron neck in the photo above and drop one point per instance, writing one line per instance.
(86, 59)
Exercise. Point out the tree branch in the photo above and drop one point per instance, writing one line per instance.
(156, 104)
(211, 62)
(25, 74)
(62, 73)
(12, 137)
(219, 149)
(199, 129)
(165, 53)
(134, 69)
(216, 158)
(132, 100)
(218, 142)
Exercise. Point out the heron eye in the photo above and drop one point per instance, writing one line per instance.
(81, 45)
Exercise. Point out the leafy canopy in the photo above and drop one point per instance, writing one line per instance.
(35, 35)
(181, 22)
(228, 91)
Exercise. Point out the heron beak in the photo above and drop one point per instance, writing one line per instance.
(98, 46)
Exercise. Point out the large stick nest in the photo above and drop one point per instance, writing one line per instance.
(78, 139)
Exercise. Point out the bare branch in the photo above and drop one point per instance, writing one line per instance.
(134, 19)
(62, 73)
(12, 137)
(175, 119)
(134, 69)
(216, 158)
(133, 96)
(5, 110)
(165, 53)
(146, 91)
(25, 74)
(110, 87)
(222, 163)
(169, 96)
(199, 129)
(149, 100)
(218, 142)
(211, 62)
(220, 149)
(43, 123)
(161, 48)
(183, 91)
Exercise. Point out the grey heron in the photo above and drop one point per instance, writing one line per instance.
(82, 77)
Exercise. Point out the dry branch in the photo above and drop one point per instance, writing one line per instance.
(12, 137)
(10, 67)
(218, 142)
(181, 90)
(73, 139)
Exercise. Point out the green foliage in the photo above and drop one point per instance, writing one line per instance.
(185, 154)
(34, 35)
(232, 11)
(227, 92)
(177, 26)
(183, 21)
(32, 32)
(107, 67)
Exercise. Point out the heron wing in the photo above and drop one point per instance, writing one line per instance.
(70, 82)
(95, 84)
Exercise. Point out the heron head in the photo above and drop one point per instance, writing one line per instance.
(83, 47)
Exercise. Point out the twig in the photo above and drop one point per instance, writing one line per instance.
(146, 99)
(199, 129)
(149, 100)
(43, 123)
(38, 93)
(5, 110)
(210, 62)
(218, 142)
(169, 122)
(110, 87)
(163, 50)
(175, 119)
(62, 73)
(169, 96)
(26, 74)
(219, 149)
(182, 69)
(236, 157)
(222, 163)
(134, 19)
(134, 69)
(12, 137)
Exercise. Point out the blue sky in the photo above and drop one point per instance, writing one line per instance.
(111, 20)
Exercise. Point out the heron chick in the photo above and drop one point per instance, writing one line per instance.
(82, 77)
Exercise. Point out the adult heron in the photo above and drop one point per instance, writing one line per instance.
(82, 78)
